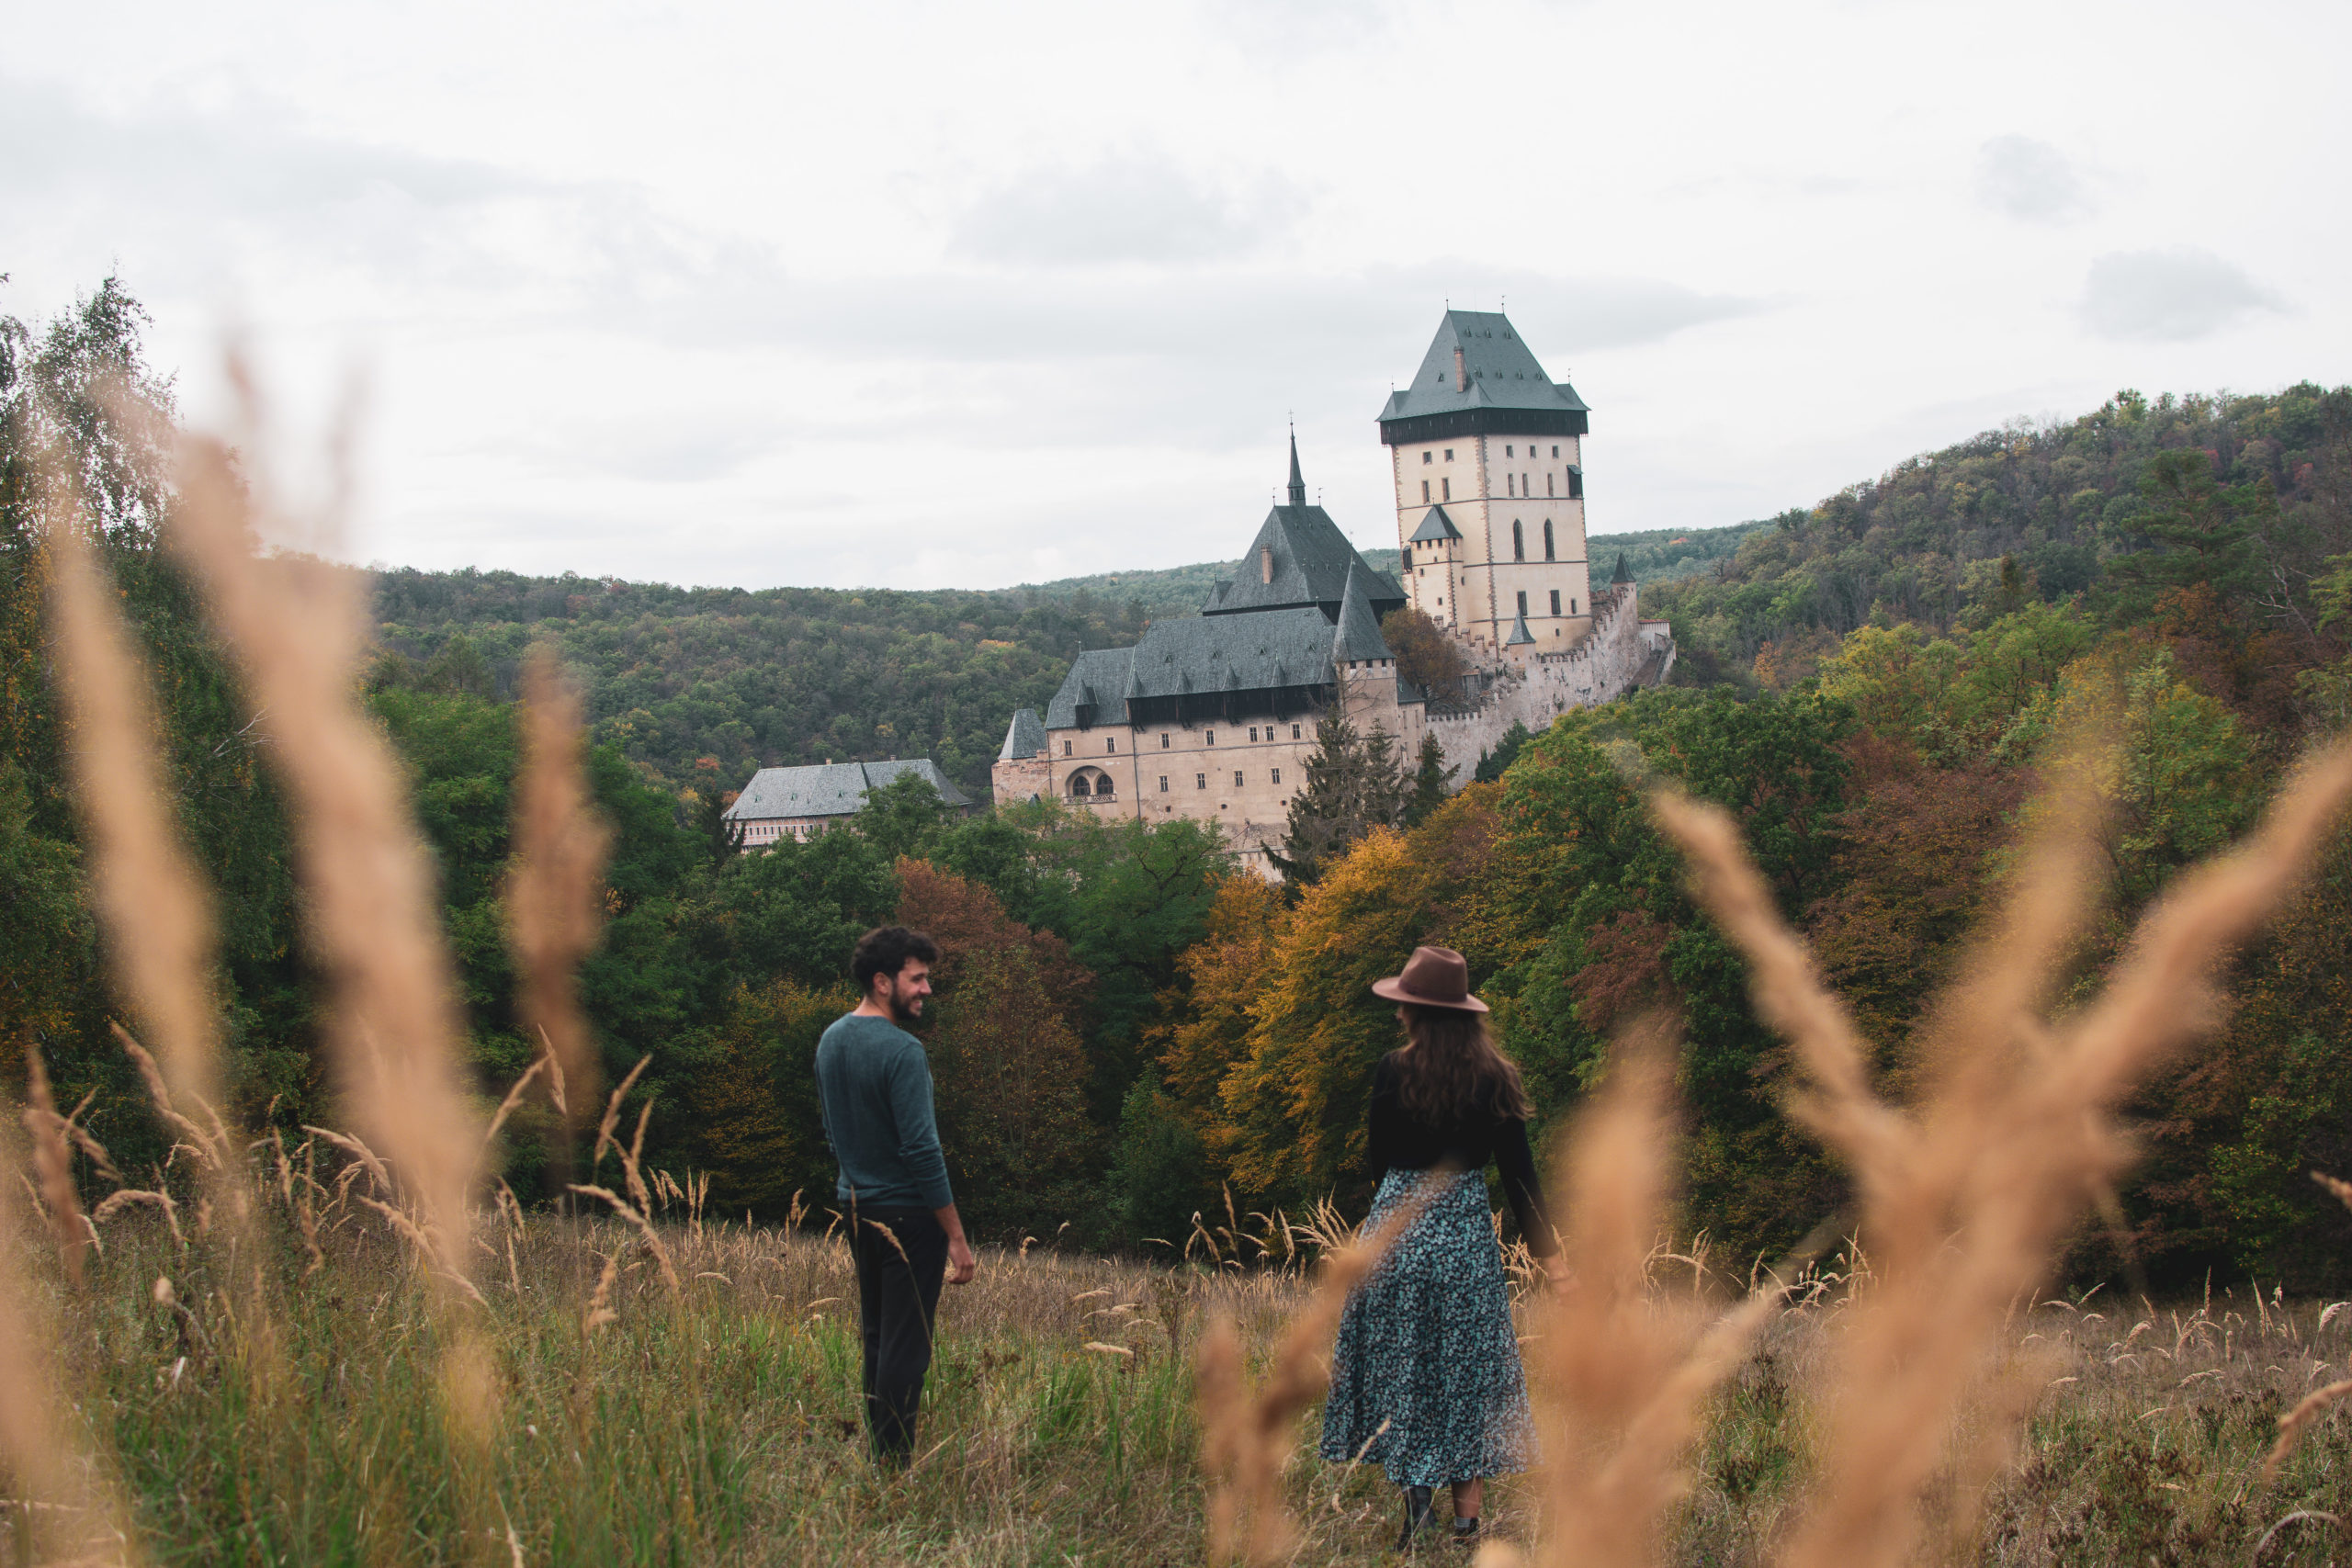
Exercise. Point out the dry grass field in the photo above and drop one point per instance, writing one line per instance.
(719, 1422)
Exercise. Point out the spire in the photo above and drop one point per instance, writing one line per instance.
(1519, 633)
(1298, 484)
(1623, 573)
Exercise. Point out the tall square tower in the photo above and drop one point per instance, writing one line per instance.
(1487, 455)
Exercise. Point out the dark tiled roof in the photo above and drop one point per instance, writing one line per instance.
(1436, 527)
(1519, 633)
(1502, 369)
(1025, 736)
(1358, 637)
(1623, 572)
(1097, 682)
(1310, 565)
(1253, 652)
(830, 789)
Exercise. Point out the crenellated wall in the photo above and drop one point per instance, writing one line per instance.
(1623, 652)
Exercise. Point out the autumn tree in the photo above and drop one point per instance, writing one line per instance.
(1006, 1058)
(1426, 653)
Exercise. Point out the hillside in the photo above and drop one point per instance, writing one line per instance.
(2247, 494)
(700, 685)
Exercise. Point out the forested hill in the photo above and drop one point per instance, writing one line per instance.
(2246, 494)
(700, 685)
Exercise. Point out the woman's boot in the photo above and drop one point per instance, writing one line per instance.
(1418, 1506)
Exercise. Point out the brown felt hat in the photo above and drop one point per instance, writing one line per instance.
(1433, 977)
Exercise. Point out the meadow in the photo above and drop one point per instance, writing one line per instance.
(719, 1422)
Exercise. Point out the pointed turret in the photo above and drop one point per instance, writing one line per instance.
(1297, 482)
(1357, 639)
(1622, 575)
(1519, 633)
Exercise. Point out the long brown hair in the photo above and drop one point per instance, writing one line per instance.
(1450, 1072)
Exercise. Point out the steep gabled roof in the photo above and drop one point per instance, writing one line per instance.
(1357, 636)
(830, 789)
(1024, 738)
(1436, 528)
(1502, 373)
(1519, 633)
(1299, 558)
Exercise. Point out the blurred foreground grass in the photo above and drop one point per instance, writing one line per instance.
(721, 1425)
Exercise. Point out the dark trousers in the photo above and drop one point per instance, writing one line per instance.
(897, 1300)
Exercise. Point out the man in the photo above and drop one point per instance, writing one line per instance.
(874, 1091)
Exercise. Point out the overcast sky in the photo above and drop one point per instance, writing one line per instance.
(934, 295)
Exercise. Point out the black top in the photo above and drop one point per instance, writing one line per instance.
(1400, 1141)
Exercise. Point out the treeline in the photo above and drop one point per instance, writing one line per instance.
(2095, 509)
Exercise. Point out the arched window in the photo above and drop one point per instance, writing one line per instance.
(1077, 786)
(1547, 539)
(1518, 541)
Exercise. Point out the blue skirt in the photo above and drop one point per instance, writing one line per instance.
(1426, 1344)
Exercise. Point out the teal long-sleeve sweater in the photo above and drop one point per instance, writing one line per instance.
(874, 1091)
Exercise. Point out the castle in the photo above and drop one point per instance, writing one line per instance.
(1214, 715)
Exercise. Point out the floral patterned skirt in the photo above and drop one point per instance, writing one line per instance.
(1426, 1344)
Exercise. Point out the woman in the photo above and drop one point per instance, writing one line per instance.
(1425, 1342)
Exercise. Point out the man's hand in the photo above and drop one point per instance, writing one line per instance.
(961, 1264)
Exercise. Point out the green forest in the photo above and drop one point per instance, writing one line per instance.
(1127, 1027)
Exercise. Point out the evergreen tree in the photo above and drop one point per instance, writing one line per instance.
(1493, 764)
(1354, 784)
(1429, 781)
(721, 840)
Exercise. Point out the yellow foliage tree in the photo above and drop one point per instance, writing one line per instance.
(1293, 1106)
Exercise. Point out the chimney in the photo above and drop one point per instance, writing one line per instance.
(1461, 372)
(1265, 563)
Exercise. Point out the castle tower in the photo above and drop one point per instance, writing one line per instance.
(1487, 456)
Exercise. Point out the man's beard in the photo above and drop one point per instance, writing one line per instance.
(906, 1011)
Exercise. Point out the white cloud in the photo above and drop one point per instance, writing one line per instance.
(1133, 208)
(2030, 180)
(2169, 296)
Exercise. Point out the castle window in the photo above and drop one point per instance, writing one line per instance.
(1200, 781)
(1428, 457)
(1163, 742)
(1510, 484)
(1555, 451)
(1572, 606)
(1294, 733)
(1066, 748)
(1236, 778)
(1078, 787)
(1163, 784)
(1522, 604)
(1425, 489)
(1445, 488)
(1278, 775)
(1449, 454)
(1548, 478)
(1209, 737)
(1253, 732)
(1547, 544)
(1112, 746)
(1509, 453)
(1576, 482)
(1518, 541)
(1556, 600)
